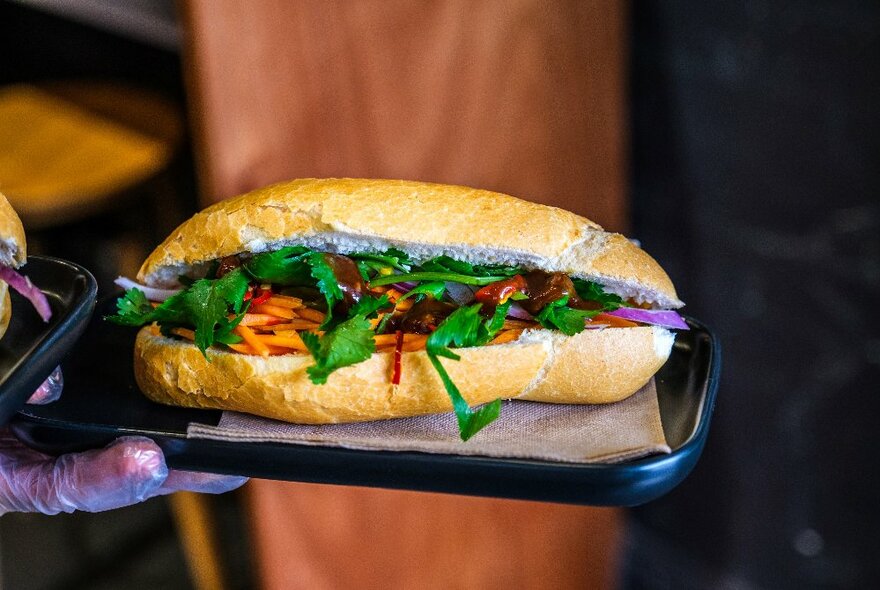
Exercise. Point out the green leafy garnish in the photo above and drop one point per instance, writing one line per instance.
(463, 328)
(368, 307)
(208, 302)
(447, 264)
(349, 343)
(557, 315)
(327, 284)
(436, 276)
(203, 306)
(287, 266)
(391, 257)
(470, 421)
(591, 291)
(433, 288)
(132, 309)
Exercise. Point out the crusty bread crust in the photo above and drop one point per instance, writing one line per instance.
(13, 249)
(5, 308)
(540, 366)
(425, 220)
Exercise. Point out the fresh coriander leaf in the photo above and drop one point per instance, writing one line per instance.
(208, 302)
(557, 315)
(380, 327)
(519, 296)
(366, 269)
(591, 291)
(323, 274)
(368, 307)
(460, 329)
(465, 327)
(231, 287)
(445, 276)
(448, 264)
(495, 323)
(132, 309)
(347, 344)
(391, 257)
(287, 266)
(224, 334)
(433, 288)
(470, 421)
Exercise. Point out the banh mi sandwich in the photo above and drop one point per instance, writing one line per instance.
(343, 300)
(13, 254)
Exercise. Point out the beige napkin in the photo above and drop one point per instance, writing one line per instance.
(607, 433)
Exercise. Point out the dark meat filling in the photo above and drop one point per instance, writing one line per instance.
(424, 316)
(349, 278)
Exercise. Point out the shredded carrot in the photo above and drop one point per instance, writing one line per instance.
(249, 337)
(387, 339)
(291, 341)
(184, 333)
(297, 324)
(311, 314)
(613, 321)
(393, 295)
(285, 301)
(506, 336)
(416, 343)
(259, 319)
(281, 312)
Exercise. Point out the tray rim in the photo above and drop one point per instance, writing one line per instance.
(54, 344)
(681, 459)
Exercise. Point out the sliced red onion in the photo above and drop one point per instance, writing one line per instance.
(152, 293)
(27, 289)
(461, 294)
(404, 287)
(518, 312)
(665, 318)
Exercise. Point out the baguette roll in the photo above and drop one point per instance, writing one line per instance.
(424, 220)
(13, 254)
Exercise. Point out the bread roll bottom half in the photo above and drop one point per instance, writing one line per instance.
(594, 366)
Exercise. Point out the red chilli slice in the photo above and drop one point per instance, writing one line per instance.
(398, 354)
(263, 297)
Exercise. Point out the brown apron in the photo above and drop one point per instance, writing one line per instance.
(522, 96)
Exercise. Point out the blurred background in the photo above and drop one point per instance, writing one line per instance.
(739, 142)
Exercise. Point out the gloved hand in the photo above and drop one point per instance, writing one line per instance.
(127, 471)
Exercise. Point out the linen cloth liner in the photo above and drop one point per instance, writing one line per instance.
(606, 433)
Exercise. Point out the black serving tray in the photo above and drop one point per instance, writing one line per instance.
(102, 402)
(31, 348)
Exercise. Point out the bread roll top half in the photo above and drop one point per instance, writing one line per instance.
(13, 248)
(423, 219)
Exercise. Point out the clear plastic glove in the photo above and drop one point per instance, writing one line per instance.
(127, 471)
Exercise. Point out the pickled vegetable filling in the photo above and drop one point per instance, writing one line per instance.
(343, 308)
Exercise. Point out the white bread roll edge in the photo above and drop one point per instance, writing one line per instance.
(595, 366)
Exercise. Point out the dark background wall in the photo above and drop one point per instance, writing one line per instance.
(756, 183)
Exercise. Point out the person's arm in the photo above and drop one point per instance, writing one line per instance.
(129, 470)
